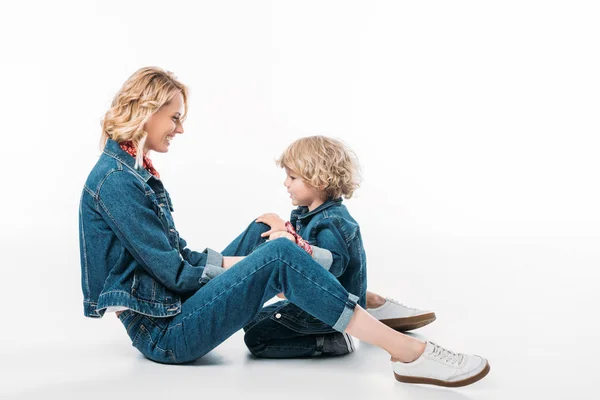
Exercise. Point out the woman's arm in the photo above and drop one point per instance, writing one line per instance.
(126, 207)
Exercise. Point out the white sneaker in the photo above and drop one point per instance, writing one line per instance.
(400, 317)
(442, 367)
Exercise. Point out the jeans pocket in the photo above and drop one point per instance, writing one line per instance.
(298, 320)
(149, 347)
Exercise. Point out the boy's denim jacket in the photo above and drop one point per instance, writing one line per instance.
(337, 245)
(131, 254)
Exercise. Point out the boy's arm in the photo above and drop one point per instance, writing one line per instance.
(331, 250)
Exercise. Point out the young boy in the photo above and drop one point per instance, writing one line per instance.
(319, 172)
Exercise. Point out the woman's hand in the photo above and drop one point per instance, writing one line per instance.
(286, 235)
(274, 221)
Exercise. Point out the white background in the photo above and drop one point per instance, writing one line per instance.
(476, 124)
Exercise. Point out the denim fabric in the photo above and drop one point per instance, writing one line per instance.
(131, 253)
(234, 298)
(181, 303)
(330, 228)
(284, 330)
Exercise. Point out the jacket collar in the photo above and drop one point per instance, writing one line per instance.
(113, 150)
(302, 211)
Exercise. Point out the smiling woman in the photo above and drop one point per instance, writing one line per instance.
(147, 112)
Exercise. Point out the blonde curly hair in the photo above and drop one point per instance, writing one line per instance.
(325, 164)
(144, 93)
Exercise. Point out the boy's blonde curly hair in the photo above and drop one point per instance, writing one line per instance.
(324, 164)
(143, 94)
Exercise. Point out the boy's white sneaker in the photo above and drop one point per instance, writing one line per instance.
(400, 317)
(442, 367)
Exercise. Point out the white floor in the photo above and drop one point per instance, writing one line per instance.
(116, 370)
(528, 310)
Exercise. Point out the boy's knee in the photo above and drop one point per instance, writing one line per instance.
(254, 342)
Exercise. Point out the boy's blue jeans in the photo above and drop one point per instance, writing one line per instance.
(235, 298)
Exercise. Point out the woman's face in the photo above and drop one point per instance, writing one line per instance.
(163, 125)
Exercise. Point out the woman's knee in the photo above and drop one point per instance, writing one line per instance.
(283, 246)
(258, 227)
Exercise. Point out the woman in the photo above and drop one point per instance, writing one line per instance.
(178, 304)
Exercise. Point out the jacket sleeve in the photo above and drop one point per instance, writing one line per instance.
(212, 268)
(331, 250)
(129, 211)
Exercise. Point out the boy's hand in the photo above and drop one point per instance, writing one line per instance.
(274, 221)
(286, 235)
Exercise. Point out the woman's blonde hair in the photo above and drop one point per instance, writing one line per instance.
(325, 164)
(143, 94)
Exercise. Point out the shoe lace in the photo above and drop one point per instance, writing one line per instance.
(391, 300)
(446, 355)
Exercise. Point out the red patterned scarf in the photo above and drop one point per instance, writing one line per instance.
(130, 149)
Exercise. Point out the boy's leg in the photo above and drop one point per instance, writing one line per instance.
(282, 330)
(397, 315)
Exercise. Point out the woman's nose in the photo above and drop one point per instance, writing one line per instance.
(179, 127)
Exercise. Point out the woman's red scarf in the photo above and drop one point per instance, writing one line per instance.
(130, 149)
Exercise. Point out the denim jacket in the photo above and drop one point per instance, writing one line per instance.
(337, 245)
(131, 254)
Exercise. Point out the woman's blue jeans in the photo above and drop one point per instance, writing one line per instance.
(234, 299)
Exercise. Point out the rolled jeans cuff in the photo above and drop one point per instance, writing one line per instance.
(347, 314)
(213, 267)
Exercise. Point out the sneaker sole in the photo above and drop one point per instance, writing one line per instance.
(409, 323)
(437, 382)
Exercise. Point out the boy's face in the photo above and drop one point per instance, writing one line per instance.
(300, 192)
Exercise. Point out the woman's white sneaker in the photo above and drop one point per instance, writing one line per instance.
(400, 317)
(442, 367)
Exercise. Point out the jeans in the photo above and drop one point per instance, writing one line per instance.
(233, 299)
(282, 329)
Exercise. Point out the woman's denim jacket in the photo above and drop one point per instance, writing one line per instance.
(337, 245)
(131, 253)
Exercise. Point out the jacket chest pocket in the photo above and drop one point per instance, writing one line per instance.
(163, 209)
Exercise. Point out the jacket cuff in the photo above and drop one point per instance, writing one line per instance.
(322, 256)
(214, 262)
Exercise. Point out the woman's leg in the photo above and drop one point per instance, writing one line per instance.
(271, 339)
(247, 241)
(231, 300)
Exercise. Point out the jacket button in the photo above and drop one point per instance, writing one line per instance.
(277, 315)
(172, 230)
(162, 204)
